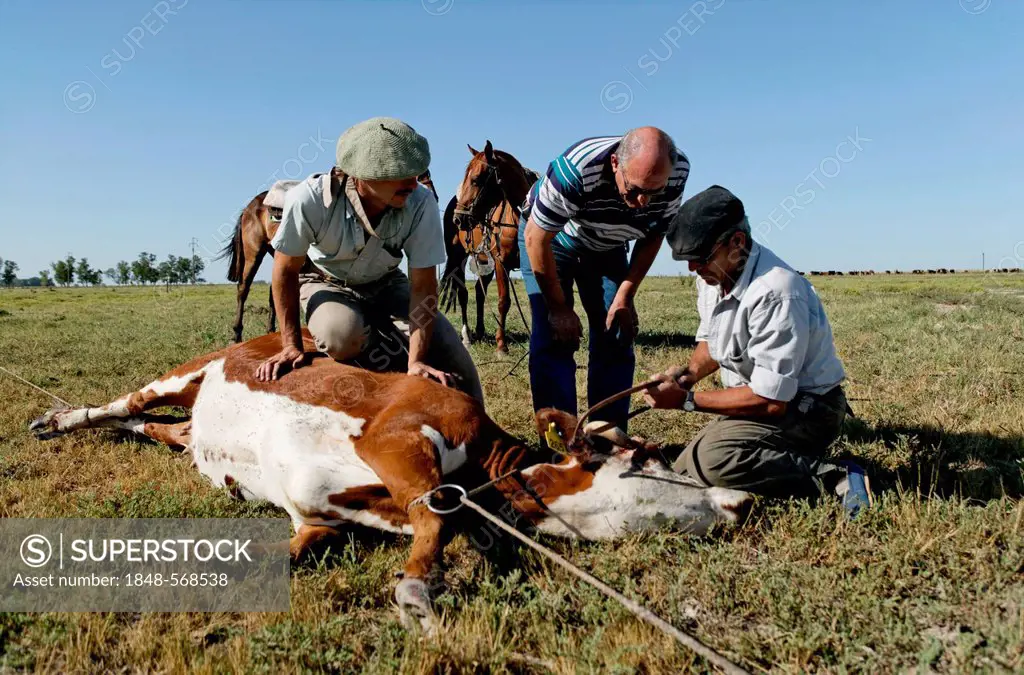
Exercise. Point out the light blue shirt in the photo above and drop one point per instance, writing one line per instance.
(339, 242)
(770, 331)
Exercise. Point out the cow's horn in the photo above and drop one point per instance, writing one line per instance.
(614, 434)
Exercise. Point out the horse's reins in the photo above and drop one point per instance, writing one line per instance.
(488, 225)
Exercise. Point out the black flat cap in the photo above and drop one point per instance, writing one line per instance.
(701, 220)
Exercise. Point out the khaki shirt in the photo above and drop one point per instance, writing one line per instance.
(338, 238)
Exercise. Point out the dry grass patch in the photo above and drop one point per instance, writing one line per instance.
(931, 581)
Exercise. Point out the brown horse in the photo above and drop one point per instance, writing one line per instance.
(481, 224)
(256, 227)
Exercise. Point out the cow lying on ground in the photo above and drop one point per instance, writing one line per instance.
(330, 443)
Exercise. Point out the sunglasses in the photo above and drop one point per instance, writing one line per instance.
(632, 191)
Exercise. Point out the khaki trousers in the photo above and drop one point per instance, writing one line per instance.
(342, 320)
(780, 457)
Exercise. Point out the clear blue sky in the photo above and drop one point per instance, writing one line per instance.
(123, 130)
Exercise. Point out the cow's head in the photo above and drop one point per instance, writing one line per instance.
(630, 486)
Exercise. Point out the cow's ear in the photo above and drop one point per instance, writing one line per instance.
(564, 422)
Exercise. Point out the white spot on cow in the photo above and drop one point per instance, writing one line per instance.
(292, 454)
(172, 385)
(451, 458)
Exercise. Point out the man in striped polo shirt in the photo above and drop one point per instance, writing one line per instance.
(597, 196)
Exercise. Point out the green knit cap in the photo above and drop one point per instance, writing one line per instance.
(382, 148)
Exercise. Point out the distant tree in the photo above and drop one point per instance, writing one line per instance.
(70, 261)
(44, 278)
(86, 274)
(10, 273)
(168, 270)
(62, 274)
(144, 270)
(124, 272)
(197, 267)
(111, 274)
(185, 270)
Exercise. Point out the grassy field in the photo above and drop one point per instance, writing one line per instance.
(932, 580)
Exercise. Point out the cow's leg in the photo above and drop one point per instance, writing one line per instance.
(408, 464)
(307, 536)
(178, 434)
(252, 265)
(177, 388)
(413, 592)
(501, 275)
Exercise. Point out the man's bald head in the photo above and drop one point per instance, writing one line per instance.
(644, 162)
(647, 148)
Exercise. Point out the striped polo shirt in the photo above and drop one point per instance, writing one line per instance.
(579, 199)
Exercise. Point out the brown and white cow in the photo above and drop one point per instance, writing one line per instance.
(330, 444)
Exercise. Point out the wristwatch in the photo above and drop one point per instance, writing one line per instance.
(688, 404)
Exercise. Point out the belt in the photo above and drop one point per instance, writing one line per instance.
(805, 401)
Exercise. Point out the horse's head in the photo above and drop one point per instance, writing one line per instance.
(481, 188)
(492, 177)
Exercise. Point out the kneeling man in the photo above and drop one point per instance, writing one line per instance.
(355, 224)
(764, 328)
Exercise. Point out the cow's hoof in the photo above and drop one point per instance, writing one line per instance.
(45, 426)
(414, 607)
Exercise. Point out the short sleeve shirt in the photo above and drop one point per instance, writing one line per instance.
(332, 233)
(578, 198)
(770, 331)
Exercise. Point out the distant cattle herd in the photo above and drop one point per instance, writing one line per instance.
(941, 270)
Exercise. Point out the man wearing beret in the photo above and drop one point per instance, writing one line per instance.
(355, 223)
(597, 196)
(764, 329)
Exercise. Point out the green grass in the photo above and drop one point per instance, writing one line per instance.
(932, 580)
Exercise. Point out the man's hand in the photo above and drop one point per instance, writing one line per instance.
(682, 376)
(622, 315)
(420, 369)
(566, 326)
(671, 392)
(288, 358)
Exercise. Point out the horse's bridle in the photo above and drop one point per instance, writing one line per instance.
(465, 219)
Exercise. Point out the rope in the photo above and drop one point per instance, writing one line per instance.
(637, 609)
(424, 498)
(56, 398)
(653, 382)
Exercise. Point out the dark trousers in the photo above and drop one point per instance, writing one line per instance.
(552, 365)
(775, 457)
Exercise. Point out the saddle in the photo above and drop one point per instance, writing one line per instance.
(274, 201)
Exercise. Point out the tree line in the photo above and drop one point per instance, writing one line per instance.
(144, 270)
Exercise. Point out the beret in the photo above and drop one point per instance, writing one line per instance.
(382, 148)
(701, 220)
